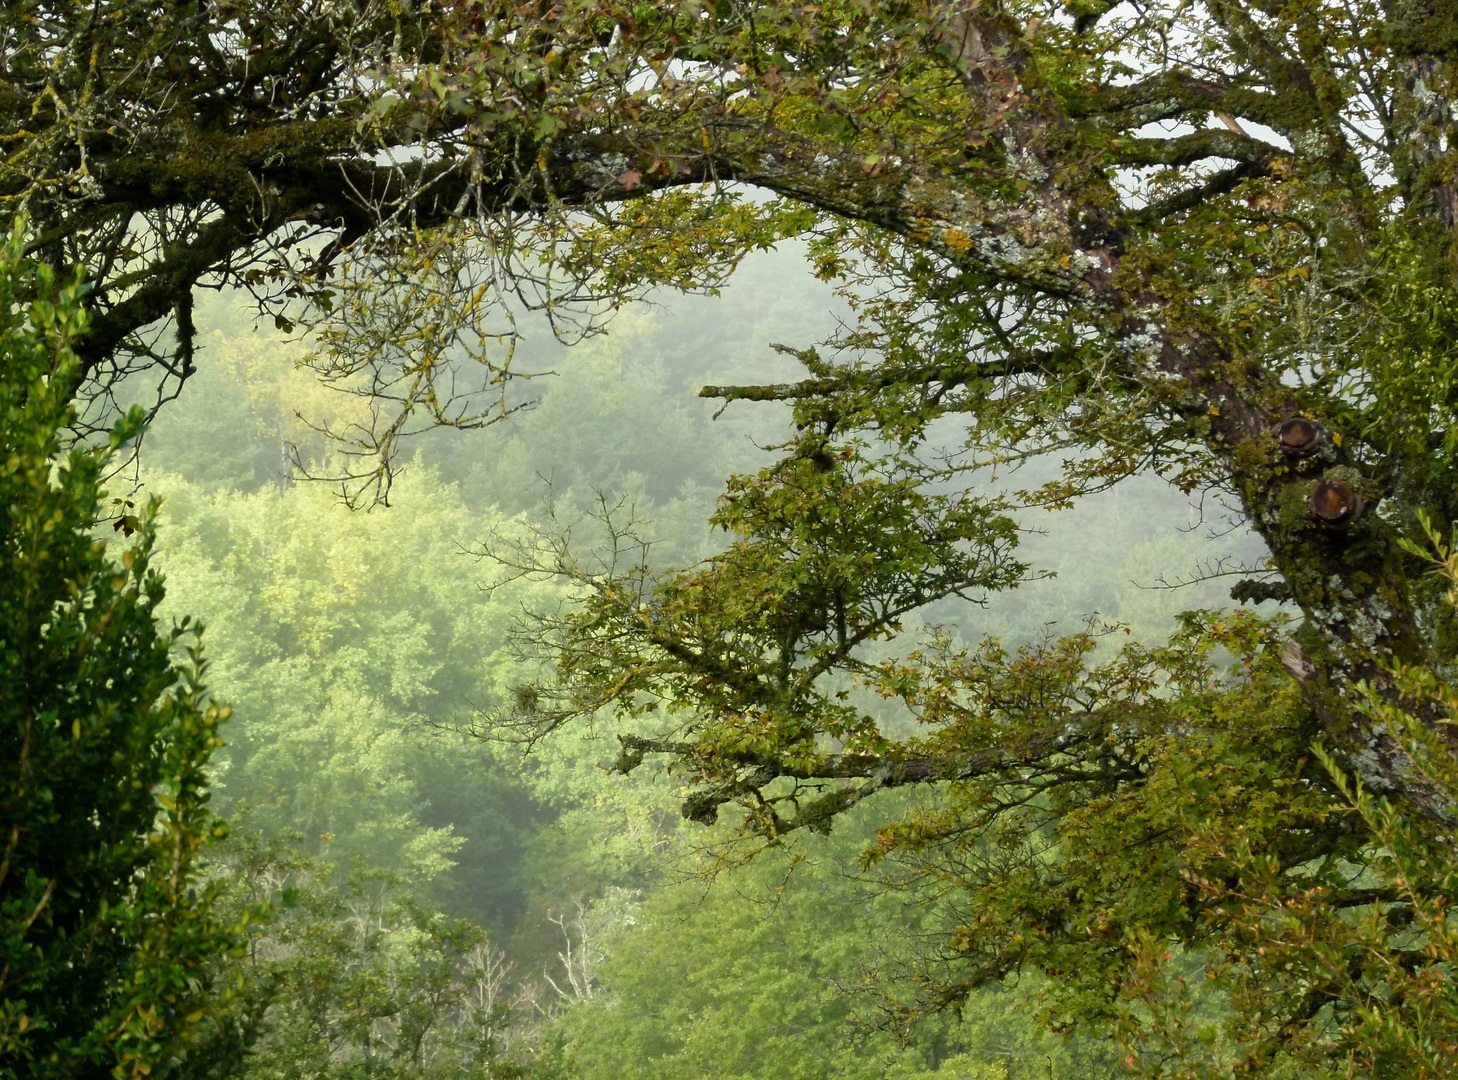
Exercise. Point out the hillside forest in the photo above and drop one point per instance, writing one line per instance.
(604, 935)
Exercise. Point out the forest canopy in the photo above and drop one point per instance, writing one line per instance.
(1080, 242)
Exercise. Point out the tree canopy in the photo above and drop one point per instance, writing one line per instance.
(1210, 240)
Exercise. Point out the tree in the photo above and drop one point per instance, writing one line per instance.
(756, 977)
(342, 642)
(105, 737)
(1163, 302)
(348, 975)
(1210, 240)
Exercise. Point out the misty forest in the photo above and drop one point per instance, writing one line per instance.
(703, 539)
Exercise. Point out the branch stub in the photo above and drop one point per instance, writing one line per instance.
(1300, 437)
(1335, 505)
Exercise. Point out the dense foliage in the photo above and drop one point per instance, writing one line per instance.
(105, 734)
(1212, 242)
(361, 817)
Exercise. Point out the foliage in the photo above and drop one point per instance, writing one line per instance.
(1210, 241)
(763, 974)
(220, 166)
(343, 642)
(1111, 874)
(1357, 942)
(303, 595)
(1250, 300)
(1390, 957)
(347, 975)
(358, 649)
(106, 731)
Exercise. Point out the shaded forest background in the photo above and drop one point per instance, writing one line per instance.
(392, 849)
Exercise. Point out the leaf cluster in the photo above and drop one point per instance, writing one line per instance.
(107, 731)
